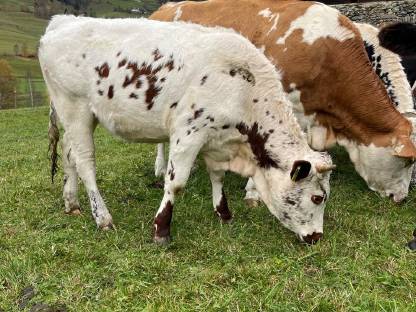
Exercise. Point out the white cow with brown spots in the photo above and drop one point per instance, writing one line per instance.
(336, 95)
(203, 90)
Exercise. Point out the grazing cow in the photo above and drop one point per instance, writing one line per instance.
(401, 39)
(201, 89)
(336, 95)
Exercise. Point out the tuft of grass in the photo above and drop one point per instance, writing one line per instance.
(252, 264)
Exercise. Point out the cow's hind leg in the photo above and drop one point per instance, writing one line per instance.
(182, 155)
(218, 197)
(80, 134)
(70, 193)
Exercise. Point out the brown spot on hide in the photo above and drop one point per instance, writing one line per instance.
(100, 92)
(110, 92)
(98, 82)
(203, 80)
(149, 72)
(133, 96)
(255, 101)
(222, 209)
(174, 105)
(122, 63)
(163, 220)
(198, 113)
(226, 127)
(119, 53)
(156, 55)
(83, 55)
(171, 172)
(103, 71)
(257, 143)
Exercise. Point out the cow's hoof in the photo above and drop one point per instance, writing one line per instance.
(252, 203)
(227, 220)
(73, 210)
(162, 240)
(107, 227)
(412, 244)
(157, 185)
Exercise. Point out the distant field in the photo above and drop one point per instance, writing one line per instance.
(252, 264)
(22, 28)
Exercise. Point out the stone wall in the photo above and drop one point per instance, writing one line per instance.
(377, 13)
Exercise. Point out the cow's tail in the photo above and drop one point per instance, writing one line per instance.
(53, 133)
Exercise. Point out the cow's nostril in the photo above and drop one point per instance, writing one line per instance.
(312, 238)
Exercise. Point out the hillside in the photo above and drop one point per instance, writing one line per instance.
(20, 31)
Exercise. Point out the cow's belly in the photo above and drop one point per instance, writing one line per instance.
(132, 122)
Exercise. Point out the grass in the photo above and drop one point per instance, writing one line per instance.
(253, 264)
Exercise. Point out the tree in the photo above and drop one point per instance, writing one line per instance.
(7, 85)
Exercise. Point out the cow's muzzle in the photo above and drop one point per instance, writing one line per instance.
(312, 238)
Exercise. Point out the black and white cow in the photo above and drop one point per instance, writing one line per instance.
(203, 90)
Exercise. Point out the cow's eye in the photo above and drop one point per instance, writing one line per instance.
(316, 199)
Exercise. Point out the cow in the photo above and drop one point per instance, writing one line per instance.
(336, 95)
(400, 38)
(203, 90)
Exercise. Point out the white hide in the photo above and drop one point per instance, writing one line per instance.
(390, 63)
(318, 21)
(267, 13)
(213, 91)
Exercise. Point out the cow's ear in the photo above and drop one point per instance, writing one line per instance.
(300, 170)
(407, 149)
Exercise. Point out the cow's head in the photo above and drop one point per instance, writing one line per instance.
(387, 170)
(297, 195)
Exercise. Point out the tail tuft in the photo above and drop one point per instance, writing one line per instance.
(53, 133)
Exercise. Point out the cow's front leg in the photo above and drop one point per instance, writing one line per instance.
(182, 155)
(218, 197)
(82, 144)
(70, 193)
(160, 162)
(252, 197)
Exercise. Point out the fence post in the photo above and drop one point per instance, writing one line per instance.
(30, 87)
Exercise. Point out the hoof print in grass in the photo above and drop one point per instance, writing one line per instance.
(26, 295)
(157, 185)
(412, 244)
(162, 240)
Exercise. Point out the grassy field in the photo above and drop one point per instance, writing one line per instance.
(252, 264)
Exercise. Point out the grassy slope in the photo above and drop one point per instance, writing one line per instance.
(252, 264)
(18, 27)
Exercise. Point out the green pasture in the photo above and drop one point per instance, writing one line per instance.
(252, 264)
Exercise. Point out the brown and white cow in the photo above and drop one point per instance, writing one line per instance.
(336, 95)
(202, 89)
